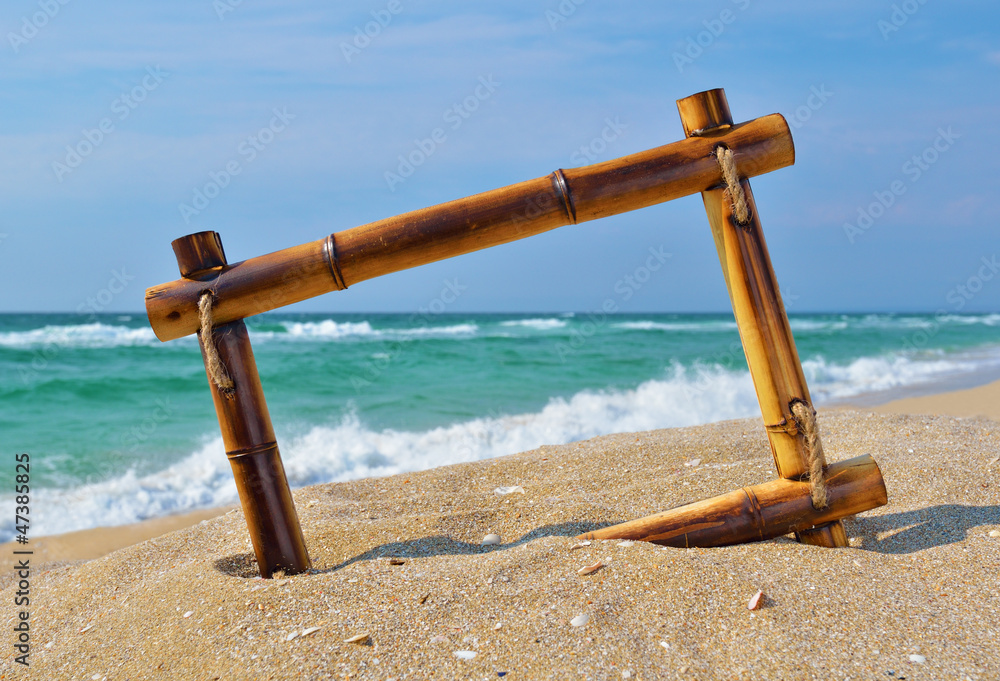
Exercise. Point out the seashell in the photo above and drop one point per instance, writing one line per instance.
(501, 491)
(188, 614)
(580, 620)
(692, 462)
(87, 628)
(756, 601)
(919, 659)
(440, 638)
(360, 638)
(396, 561)
(496, 627)
(491, 540)
(579, 546)
(995, 533)
(465, 654)
(665, 645)
(291, 636)
(627, 542)
(590, 568)
(309, 632)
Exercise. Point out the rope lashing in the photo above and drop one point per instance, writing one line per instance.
(740, 208)
(216, 369)
(806, 422)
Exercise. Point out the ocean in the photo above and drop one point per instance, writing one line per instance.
(120, 427)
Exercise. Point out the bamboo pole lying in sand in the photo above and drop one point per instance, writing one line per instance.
(246, 428)
(760, 512)
(470, 224)
(757, 306)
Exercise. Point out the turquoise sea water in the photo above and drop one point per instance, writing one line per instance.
(120, 426)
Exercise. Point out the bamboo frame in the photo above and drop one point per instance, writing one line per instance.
(470, 224)
(500, 216)
(758, 308)
(766, 511)
(246, 430)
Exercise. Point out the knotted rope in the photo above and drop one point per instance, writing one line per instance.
(216, 369)
(806, 421)
(732, 178)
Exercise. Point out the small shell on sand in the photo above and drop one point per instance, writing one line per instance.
(396, 561)
(87, 628)
(491, 540)
(291, 636)
(590, 568)
(579, 546)
(919, 659)
(465, 654)
(188, 614)
(309, 632)
(496, 627)
(360, 638)
(627, 542)
(580, 620)
(995, 533)
(501, 491)
(755, 601)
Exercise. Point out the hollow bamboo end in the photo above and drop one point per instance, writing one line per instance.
(198, 252)
(704, 110)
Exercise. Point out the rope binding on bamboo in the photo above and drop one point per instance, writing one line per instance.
(740, 208)
(805, 419)
(216, 369)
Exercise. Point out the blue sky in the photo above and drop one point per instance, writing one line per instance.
(184, 89)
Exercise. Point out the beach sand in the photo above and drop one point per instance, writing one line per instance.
(916, 595)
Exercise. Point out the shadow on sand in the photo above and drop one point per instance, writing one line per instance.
(244, 565)
(912, 531)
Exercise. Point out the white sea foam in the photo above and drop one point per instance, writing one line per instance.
(648, 325)
(329, 329)
(95, 335)
(537, 324)
(351, 449)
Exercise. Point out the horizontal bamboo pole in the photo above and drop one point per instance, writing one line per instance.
(465, 225)
(760, 512)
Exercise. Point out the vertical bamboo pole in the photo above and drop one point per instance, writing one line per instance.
(246, 427)
(759, 311)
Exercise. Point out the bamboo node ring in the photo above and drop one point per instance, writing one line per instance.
(216, 369)
(805, 418)
(732, 178)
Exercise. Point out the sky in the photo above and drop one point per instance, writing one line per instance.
(293, 116)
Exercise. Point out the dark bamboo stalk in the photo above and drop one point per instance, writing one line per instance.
(246, 429)
(757, 305)
(761, 512)
(473, 223)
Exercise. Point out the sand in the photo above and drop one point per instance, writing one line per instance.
(915, 596)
